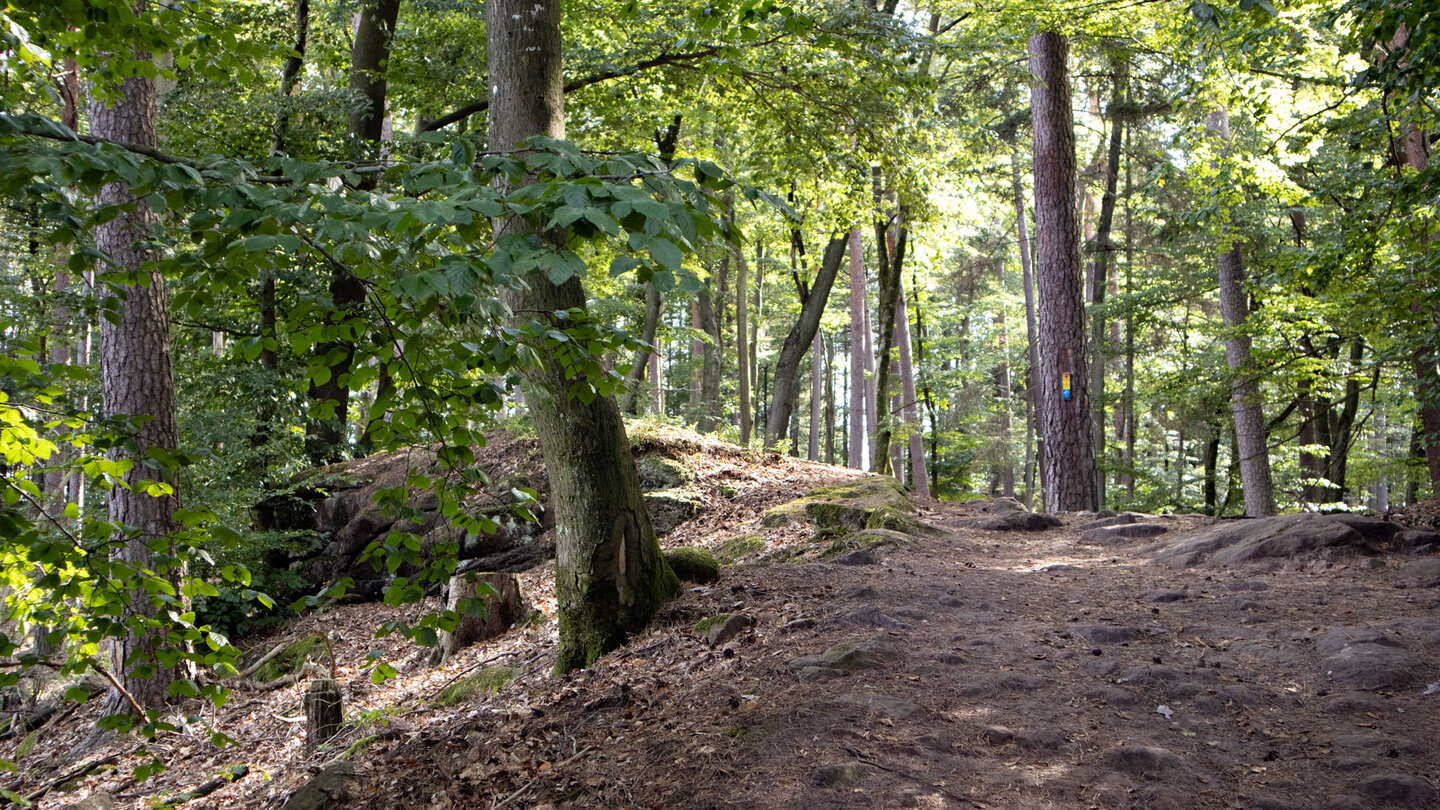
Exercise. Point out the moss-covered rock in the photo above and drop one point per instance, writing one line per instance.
(358, 747)
(846, 506)
(670, 507)
(867, 539)
(487, 681)
(693, 564)
(292, 659)
(660, 472)
(703, 626)
(891, 519)
(736, 548)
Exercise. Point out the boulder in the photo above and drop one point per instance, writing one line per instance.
(659, 472)
(876, 503)
(1305, 536)
(847, 657)
(1121, 533)
(1001, 506)
(1015, 522)
(328, 789)
(671, 507)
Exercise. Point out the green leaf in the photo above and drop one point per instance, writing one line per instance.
(665, 253)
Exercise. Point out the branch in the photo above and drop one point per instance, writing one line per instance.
(481, 105)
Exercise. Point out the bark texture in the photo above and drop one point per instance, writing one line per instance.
(137, 379)
(856, 443)
(609, 575)
(1064, 423)
(1254, 456)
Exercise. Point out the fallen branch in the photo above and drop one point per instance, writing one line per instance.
(264, 659)
(235, 774)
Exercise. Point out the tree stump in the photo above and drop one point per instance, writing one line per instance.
(322, 712)
(500, 614)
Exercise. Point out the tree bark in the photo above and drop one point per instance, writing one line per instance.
(630, 401)
(1102, 266)
(609, 575)
(290, 77)
(909, 407)
(1003, 390)
(1032, 337)
(890, 264)
(709, 408)
(742, 345)
(1064, 422)
(802, 334)
(1244, 390)
(856, 443)
(137, 377)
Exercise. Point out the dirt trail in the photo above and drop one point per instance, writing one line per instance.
(997, 669)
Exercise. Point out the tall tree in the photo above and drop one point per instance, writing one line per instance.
(856, 442)
(1103, 263)
(609, 575)
(802, 333)
(136, 370)
(1245, 400)
(1063, 395)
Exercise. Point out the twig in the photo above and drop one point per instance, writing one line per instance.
(134, 704)
(912, 777)
(264, 659)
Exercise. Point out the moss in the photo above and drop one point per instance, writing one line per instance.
(358, 746)
(659, 472)
(693, 564)
(703, 626)
(845, 506)
(870, 538)
(728, 491)
(894, 520)
(587, 631)
(487, 681)
(737, 547)
(292, 658)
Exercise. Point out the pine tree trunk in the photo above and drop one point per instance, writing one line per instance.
(640, 363)
(609, 575)
(1064, 422)
(1003, 390)
(1244, 390)
(137, 379)
(856, 414)
(830, 400)
(817, 395)
(742, 345)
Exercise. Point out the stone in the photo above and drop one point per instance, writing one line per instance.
(1397, 790)
(669, 508)
(849, 656)
(1355, 703)
(1346, 802)
(1336, 639)
(799, 624)
(659, 472)
(844, 508)
(862, 556)
(733, 626)
(1122, 519)
(838, 775)
(1371, 667)
(871, 615)
(692, 564)
(1019, 682)
(1411, 539)
(1425, 569)
(1000, 506)
(997, 735)
(1234, 543)
(1015, 522)
(1141, 759)
(328, 790)
(1117, 535)
(1163, 595)
(951, 602)
(1044, 739)
(1107, 634)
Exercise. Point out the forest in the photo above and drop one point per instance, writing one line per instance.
(1143, 255)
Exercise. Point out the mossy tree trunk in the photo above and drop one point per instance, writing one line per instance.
(609, 575)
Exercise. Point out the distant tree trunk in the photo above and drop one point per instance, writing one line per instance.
(1342, 433)
(1003, 390)
(756, 316)
(609, 575)
(910, 408)
(1127, 476)
(325, 433)
(817, 392)
(802, 334)
(1032, 338)
(867, 382)
(890, 263)
(640, 363)
(856, 415)
(697, 354)
(742, 345)
(1244, 391)
(1103, 264)
(830, 400)
(137, 378)
(933, 465)
(709, 411)
(290, 77)
(1064, 421)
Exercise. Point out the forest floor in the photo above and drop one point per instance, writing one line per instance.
(978, 669)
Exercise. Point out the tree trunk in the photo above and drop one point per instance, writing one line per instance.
(709, 410)
(499, 612)
(910, 410)
(856, 415)
(890, 263)
(630, 401)
(323, 713)
(1003, 390)
(801, 335)
(137, 378)
(1064, 420)
(830, 400)
(1244, 390)
(742, 345)
(609, 575)
(290, 77)
(1032, 338)
(325, 433)
(1102, 266)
